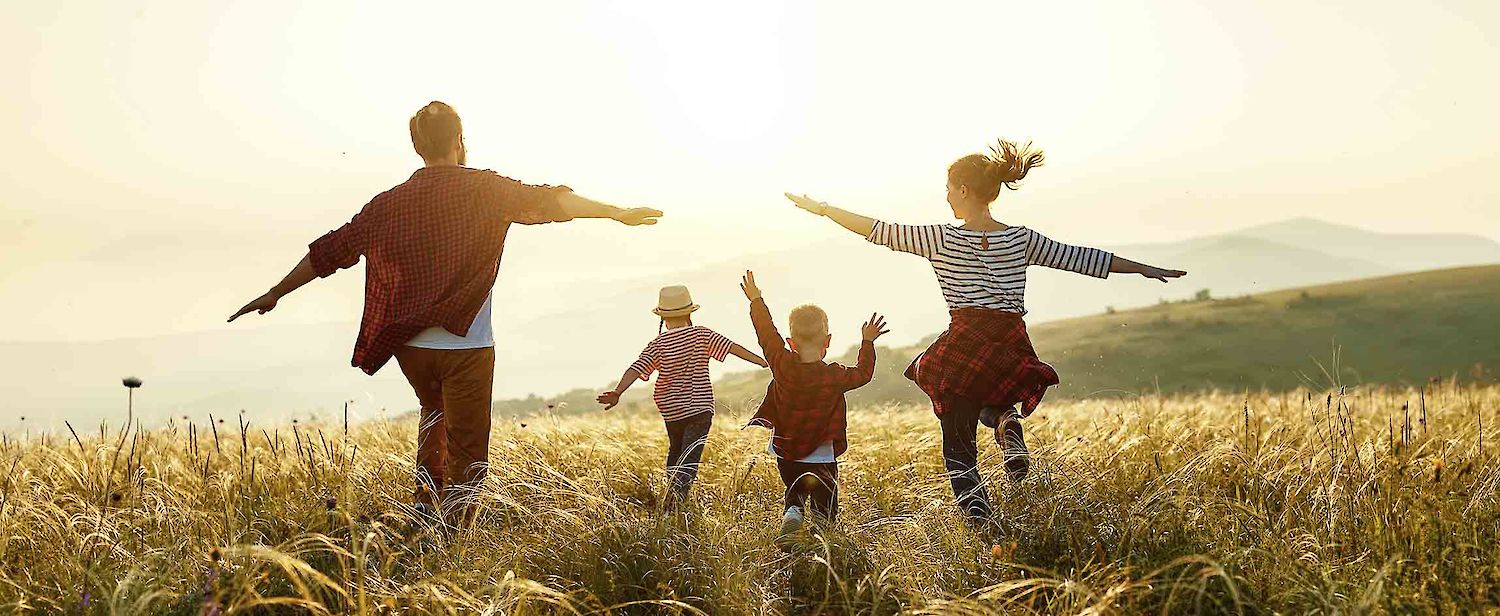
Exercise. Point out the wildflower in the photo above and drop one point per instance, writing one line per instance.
(115, 497)
(331, 503)
(131, 382)
(364, 519)
(1437, 472)
(215, 555)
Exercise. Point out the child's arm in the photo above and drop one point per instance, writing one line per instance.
(611, 398)
(1121, 265)
(743, 353)
(642, 367)
(864, 369)
(770, 340)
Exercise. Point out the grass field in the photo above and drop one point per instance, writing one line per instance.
(1295, 502)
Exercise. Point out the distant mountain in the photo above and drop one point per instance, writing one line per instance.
(1397, 251)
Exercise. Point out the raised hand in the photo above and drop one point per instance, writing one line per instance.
(1161, 274)
(874, 328)
(747, 284)
(263, 304)
(609, 399)
(638, 216)
(808, 203)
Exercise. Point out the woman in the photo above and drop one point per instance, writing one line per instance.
(983, 367)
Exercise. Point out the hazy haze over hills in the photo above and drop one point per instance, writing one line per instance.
(556, 338)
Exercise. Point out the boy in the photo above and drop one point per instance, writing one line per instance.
(804, 405)
(684, 394)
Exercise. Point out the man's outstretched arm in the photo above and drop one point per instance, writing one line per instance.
(300, 275)
(576, 206)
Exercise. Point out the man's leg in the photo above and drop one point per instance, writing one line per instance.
(960, 422)
(432, 435)
(468, 382)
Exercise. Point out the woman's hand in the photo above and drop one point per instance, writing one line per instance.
(808, 203)
(1161, 274)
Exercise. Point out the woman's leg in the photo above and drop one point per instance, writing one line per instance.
(960, 422)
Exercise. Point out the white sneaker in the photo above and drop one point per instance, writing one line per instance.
(791, 521)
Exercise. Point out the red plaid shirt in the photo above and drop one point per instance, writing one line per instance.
(432, 249)
(984, 357)
(804, 405)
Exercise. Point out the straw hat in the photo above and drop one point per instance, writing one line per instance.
(675, 301)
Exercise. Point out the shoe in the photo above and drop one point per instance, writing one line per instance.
(1017, 457)
(792, 520)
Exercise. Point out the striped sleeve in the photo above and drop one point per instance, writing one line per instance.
(648, 362)
(718, 345)
(920, 240)
(1042, 250)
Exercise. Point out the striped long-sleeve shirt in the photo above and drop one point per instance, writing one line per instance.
(987, 269)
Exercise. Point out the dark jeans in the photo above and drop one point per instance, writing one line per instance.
(811, 481)
(961, 458)
(686, 438)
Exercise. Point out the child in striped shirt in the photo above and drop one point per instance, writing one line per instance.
(684, 394)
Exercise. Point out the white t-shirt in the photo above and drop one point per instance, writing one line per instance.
(481, 333)
(822, 455)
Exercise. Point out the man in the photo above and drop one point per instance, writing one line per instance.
(432, 247)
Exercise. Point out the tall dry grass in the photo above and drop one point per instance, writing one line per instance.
(1303, 502)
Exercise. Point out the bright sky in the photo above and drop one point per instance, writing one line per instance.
(167, 160)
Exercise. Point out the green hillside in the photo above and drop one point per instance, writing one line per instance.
(1401, 329)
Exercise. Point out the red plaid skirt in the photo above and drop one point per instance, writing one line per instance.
(985, 357)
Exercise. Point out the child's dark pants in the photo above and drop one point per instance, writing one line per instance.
(960, 423)
(814, 485)
(686, 439)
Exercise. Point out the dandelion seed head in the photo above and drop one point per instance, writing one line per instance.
(131, 382)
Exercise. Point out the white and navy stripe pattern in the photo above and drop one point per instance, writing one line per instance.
(987, 269)
(681, 355)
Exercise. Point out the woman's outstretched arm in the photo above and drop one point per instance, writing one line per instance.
(855, 223)
(1121, 265)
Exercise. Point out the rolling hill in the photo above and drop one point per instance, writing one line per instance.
(1402, 329)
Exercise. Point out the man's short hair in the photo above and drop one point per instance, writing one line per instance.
(808, 322)
(434, 129)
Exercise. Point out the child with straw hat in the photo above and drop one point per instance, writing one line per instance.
(684, 394)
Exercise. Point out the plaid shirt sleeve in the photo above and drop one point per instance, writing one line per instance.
(341, 247)
(647, 362)
(769, 338)
(527, 204)
(863, 370)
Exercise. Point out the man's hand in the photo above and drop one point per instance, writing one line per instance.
(262, 305)
(1161, 274)
(808, 203)
(874, 328)
(637, 216)
(747, 284)
(609, 399)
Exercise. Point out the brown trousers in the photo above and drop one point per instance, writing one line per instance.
(453, 438)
